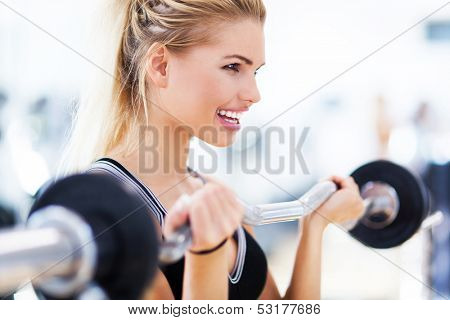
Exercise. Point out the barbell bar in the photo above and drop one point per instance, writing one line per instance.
(84, 231)
(396, 202)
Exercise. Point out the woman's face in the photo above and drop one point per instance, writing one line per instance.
(210, 86)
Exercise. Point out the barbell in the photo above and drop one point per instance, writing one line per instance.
(8, 217)
(396, 202)
(118, 248)
(85, 232)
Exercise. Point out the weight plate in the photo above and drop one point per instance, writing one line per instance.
(123, 228)
(413, 204)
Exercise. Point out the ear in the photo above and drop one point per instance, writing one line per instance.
(157, 65)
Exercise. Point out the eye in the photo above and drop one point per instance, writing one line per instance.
(233, 67)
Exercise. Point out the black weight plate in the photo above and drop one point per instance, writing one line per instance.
(413, 206)
(8, 217)
(122, 224)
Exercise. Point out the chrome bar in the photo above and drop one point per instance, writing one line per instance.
(55, 251)
(25, 254)
(432, 220)
(379, 198)
(292, 210)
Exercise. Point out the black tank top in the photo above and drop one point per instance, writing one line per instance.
(249, 273)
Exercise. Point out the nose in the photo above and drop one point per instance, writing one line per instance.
(250, 92)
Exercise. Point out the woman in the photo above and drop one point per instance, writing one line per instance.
(184, 69)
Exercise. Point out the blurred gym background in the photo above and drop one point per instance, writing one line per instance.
(370, 79)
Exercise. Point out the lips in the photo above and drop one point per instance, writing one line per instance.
(230, 117)
(228, 123)
(243, 109)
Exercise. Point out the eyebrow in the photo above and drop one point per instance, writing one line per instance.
(246, 60)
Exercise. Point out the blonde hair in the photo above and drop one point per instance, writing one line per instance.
(116, 102)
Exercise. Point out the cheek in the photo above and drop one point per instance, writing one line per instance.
(215, 90)
(206, 89)
(210, 90)
(195, 94)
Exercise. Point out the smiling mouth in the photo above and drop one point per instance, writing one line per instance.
(229, 116)
(230, 120)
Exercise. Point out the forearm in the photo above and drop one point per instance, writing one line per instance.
(206, 276)
(305, 280)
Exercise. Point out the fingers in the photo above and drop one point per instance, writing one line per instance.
(217, 203)
(232, 205)
(202, 226)
(224, 208)
(177, 215)
(347, 182)
(213, 212)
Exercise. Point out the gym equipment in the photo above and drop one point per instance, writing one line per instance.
(118, 251)
(85, 231)
(8, 217)
(396, 203)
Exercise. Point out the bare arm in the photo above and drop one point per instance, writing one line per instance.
(346, 204)
(213, 214)
(305, 279)
(206, 276)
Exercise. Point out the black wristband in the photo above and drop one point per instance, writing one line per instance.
(210, 250)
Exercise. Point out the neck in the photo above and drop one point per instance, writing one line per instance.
(161, 155)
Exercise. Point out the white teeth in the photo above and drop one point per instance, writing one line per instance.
(231, 121)
(230, 114)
